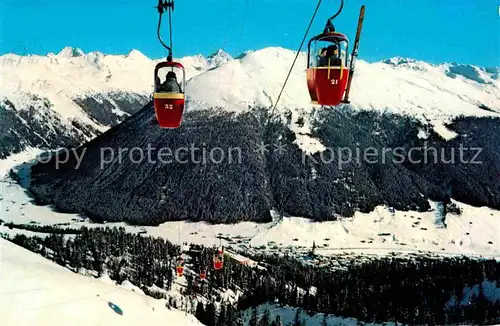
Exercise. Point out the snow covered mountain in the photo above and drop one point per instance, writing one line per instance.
(78, 95)
(399, 85)
(67, 98)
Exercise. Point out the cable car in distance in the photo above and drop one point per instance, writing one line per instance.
(218, 259)
(329, 67)
(179, 268)
(169, 96)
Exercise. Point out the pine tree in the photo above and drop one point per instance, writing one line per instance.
(221, 320)
(230, 314)
(324, 322)
(238, 320)
(278, 320)
(253, 318)
(296, 320)
(264, 321)
(210, 315)
(200, 312)
(481, 305)
(189, 286)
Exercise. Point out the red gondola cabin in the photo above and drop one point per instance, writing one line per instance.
(219, 259)
(327, 68)
(169, 96)
(179, 268)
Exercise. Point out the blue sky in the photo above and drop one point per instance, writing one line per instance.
(465, 31)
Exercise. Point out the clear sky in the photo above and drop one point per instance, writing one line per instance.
(465, 31)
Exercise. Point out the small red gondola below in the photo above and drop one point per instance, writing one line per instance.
(169, 96)
(327, 68)
(219, 259)
(179, 268)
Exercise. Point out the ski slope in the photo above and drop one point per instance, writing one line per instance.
(36, 291)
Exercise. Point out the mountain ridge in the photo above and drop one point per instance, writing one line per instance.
(96, 90)
(78, 94)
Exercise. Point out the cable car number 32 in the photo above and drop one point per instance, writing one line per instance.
(169, 106)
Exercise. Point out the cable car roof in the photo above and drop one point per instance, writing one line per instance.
(168, 64)
(332, 37)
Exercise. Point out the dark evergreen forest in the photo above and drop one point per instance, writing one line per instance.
(111, 186)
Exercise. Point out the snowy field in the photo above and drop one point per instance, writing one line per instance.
(36, 291)
(476, 232)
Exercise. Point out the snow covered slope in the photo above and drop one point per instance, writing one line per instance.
(399, 85)
(36, 291)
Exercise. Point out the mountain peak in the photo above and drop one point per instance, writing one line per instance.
(396, 61)
(135, 54)
(471, 72)
(219, 58)
(70, 52)
(408, 63)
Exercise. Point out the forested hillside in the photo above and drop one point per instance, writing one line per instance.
(111, 178)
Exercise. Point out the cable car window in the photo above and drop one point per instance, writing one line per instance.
(169, 80)
(329, 53)
(343, 53)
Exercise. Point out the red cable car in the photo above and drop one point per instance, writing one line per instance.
(203, 275)
(180, 267)
(169, 94)
(219, 259)
(180, 270)
(328, 72)
(329, 68)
